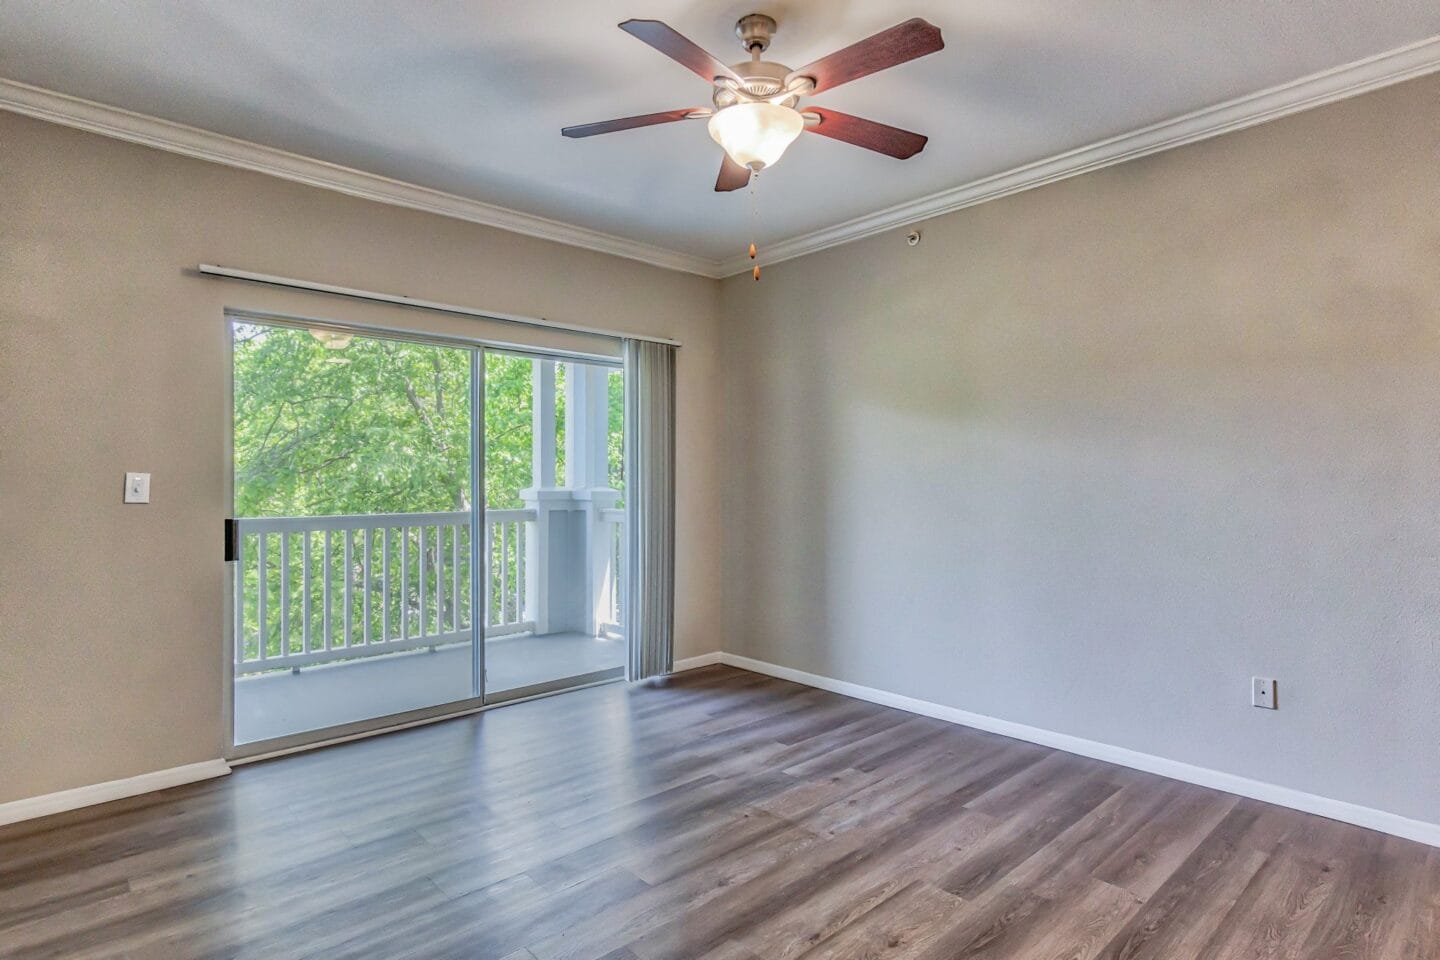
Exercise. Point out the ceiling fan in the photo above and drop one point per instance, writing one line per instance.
(756, 112)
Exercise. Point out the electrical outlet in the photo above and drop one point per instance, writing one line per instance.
(137, 488)
(1263, 692)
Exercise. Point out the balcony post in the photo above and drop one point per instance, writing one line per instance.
(587, 473)
(587, 426)
(542, 476)
(600, 553)
(542, 423)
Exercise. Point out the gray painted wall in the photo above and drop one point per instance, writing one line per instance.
(1090, 457)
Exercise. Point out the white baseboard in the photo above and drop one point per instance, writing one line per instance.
(1383, 821)
(46, 804)
(694, 663)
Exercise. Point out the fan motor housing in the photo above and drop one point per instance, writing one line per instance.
(761, 80)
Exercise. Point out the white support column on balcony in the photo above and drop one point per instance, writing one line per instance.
(587, 472)
(600, 557)
(542, 421)
(587, 426)
(542, 467)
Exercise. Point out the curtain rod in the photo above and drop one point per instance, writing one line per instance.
(228, 273)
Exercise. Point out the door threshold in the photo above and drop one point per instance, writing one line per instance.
(533, 690)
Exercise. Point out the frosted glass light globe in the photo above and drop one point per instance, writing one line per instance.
(755, 135)
(332, 339)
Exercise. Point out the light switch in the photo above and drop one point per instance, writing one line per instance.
(137, 488)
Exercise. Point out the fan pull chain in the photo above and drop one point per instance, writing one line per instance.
(754, 179)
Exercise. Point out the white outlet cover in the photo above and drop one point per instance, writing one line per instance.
(1263, 693)
(137, 488)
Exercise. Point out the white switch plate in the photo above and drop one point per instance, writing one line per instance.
(1263, 692)
(137, 488)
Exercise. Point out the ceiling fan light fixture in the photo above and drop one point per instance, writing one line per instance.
(755, 135)
(331, 339)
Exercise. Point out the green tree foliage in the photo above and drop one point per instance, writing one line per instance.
(508, 429)
(379, 427)
(616, 441)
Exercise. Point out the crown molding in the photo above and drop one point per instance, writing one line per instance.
(1318, 89)
(204, 145)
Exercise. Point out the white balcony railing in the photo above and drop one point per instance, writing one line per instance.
(312, 590)
(508, 533)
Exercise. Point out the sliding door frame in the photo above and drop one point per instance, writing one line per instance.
(479, 527)
(260, 749)
(563, 684)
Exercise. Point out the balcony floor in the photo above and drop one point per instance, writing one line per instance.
(279, 704)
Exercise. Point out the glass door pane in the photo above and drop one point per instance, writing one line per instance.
(554, 516)
(353, 497)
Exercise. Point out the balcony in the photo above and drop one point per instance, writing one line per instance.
(347, 618)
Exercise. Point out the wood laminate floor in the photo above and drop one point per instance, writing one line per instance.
(721, 816)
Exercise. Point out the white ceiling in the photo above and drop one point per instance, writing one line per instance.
(469, 97)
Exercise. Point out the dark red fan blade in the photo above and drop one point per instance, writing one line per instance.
(732, 175)
(627, 123)
(665, 39)
(891, 141)
(902, 42)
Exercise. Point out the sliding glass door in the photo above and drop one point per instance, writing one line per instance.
(554, 485)
(359, 464)
(353, 493)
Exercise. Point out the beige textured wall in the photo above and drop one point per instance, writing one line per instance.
(1090, 457)
(114, 357)
(1087, 458)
